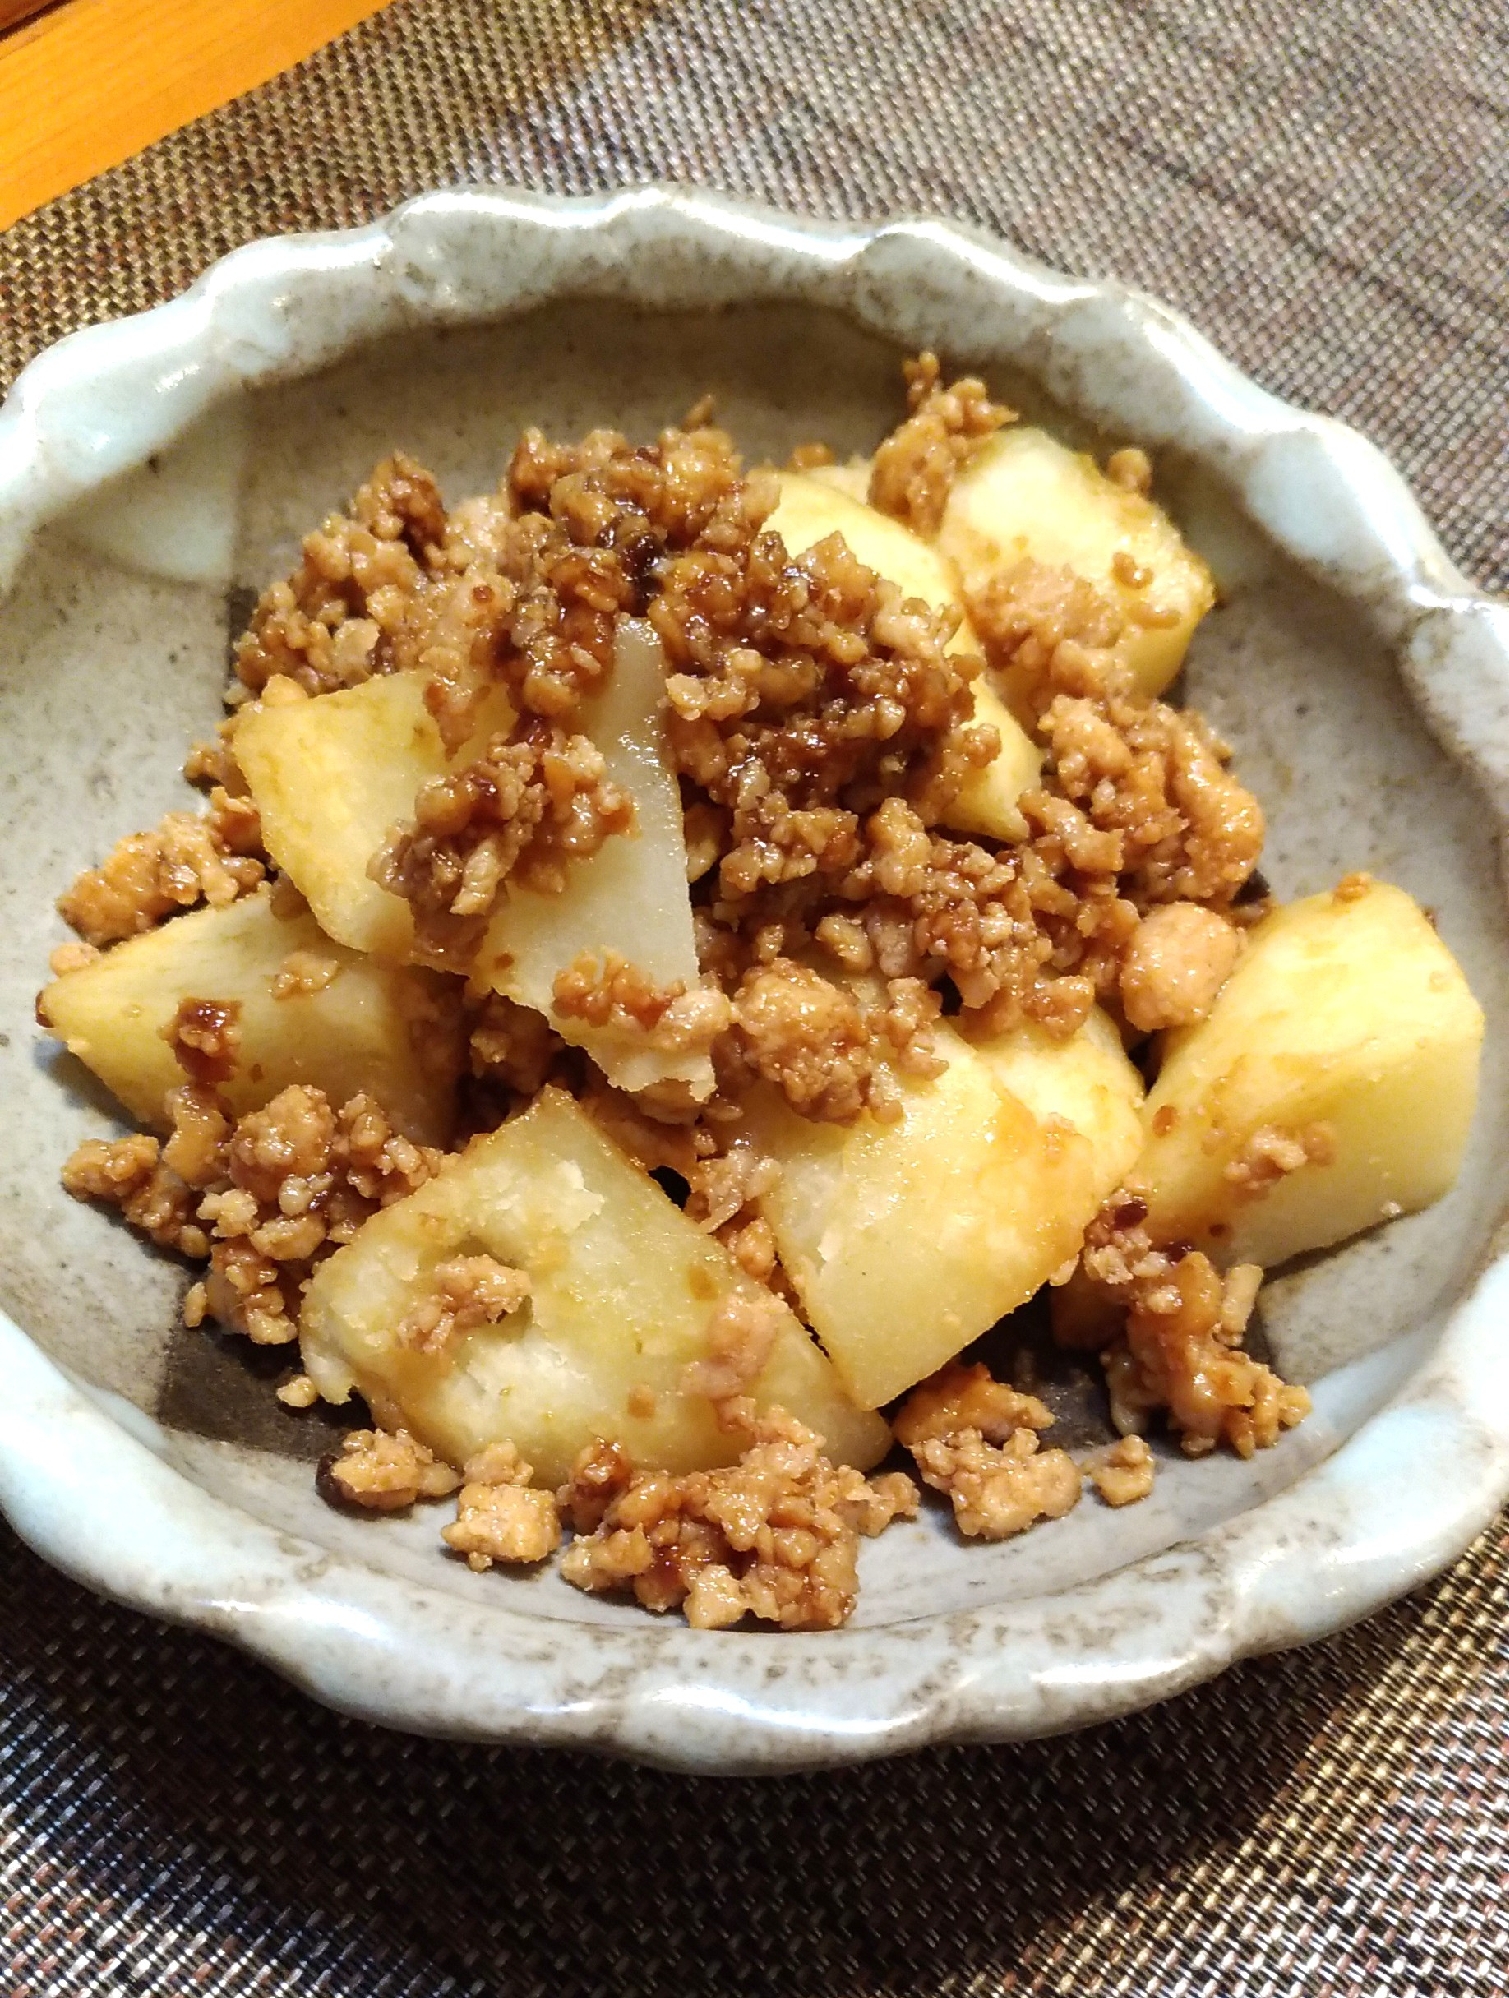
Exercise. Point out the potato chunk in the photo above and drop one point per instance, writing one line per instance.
(811, 508)
(1332, 1086)
(1024, 494)
(906, 1240)
(389, 1030)
(331, 777)
(630, 897)
(1087, 1080)
(623, 1290)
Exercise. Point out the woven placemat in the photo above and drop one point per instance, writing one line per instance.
(1324, 189)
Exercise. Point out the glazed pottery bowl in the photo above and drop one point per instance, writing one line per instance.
(155, 472)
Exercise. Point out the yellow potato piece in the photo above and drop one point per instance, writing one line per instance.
(852, 479)
(907, 1240)
(331, 777)
(389, 1030)
(1347, 1023)
(1087, 1080)
(622, 1288)
(813, 507)
(631, 896)
(1024, 494)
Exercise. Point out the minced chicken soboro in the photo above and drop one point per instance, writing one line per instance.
(820, 725)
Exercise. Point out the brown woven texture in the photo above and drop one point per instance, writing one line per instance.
(1324, 190)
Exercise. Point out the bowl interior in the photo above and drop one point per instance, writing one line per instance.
(113, 657)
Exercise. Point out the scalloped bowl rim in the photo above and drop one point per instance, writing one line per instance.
(1326, 1551)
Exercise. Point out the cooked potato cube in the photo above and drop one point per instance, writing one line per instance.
(330, 778)
(906, 1240)
(622, 1290)
(1331, 1087)
(1087, 1080)
(630, 897)
(813, 507)
(1024, 494)
(851, 478)
(389, 1030)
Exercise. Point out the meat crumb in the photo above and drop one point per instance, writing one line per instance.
(975, 1440)
(1131, 469)
(151, 875)
(998, 1492)
(469, 1292)
(1271, 1154)
(602, 1473)
(741, 1336)
(775, 1536)
(304, 972)
(512, 1044)
(205, 1036)
(262, 1198)
(521, 813)
(1123, 1473)
(914, 468)
(72, 957)
(1172, 1331)
(962, 1397)
(1178, 959)
(379, 1472)
(610, 992)
(500, 1515)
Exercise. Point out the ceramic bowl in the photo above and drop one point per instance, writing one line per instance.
(155, 471)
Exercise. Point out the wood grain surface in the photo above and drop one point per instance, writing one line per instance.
(86, 84)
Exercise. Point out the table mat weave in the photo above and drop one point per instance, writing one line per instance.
(1324, 189)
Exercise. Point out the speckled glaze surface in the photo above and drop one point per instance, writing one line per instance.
(153, 471)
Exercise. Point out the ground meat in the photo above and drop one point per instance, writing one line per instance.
(1131, 469)
(512, 1044)
(1179, 1348)
(808, 1037)
(774, 1536)
(469, 1292)
(602, 1473)
(129, 1173)
(344, 612)
(377, 1472)
(1179, 958)
(741, 1336)
(263, 1198)
(304, 972)
(609, 992)
(828, 1054)
(960, 1397)
(1182, 827)
(723, 1186)
(521, 814)
(500, 1517)
(66, 957)
(1270, 1155)
(151, 875)
(914, 468)
(975, 1440)
(998, 1492)
(1123, 1474)
(205, 1036)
